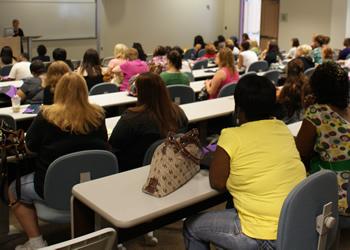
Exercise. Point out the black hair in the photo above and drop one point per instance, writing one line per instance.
(221, 39)
(142, 54)
(179, 50)
(25, 55)
(41, 50)
(91, 63)
(199, 40)
(256, 97)
(245, 45)
(295, 42)
(330, 85)
(245, 37)
(347, 42)
(159, 51)
(175, 59)
(6, 55)
(37, 67)
(59, 54)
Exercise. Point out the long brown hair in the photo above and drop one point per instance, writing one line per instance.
(71, 111)
(227, 59)
(290, 96)
(153, 96)
(91, 63)
(54, 73)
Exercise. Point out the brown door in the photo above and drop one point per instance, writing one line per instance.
(270, 10)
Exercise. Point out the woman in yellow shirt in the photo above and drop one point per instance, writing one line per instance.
(258, 163)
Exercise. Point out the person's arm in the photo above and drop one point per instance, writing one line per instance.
(240, 62)
(305, 140)
(121, 135)
(213, 85)
(13, 72)
(219, 169)
(22, 95)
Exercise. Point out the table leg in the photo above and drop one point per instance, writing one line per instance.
(83, 219)
(4, 219)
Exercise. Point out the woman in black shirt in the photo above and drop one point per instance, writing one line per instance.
(71, 124)
(153, 117)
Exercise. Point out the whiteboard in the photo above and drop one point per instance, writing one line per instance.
(51, 19)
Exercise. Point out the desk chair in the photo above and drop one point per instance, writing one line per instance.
(308, 73)
(201, 53)
(64, 173)
(106, 61)
(273, 76)
(150, 151)
(99, 240)
(103, 88)
(9, 120)
(227, 90)
(258, 66)
(5, 70)
(304, 204)
(189, 54)
(203, 64)
(181, 94)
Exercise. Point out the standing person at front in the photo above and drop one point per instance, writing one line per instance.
(258, 164)
(152, 118)
(71, 124)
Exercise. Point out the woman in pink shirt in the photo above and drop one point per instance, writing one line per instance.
(131, 67)
(119, 56)
(226, 73)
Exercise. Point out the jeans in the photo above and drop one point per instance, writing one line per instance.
(222, 229)
(28, 194)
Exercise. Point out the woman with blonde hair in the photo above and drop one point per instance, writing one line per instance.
(71, 124)
(303, 53)
(119, 56)
(227, 73)
(54, 73)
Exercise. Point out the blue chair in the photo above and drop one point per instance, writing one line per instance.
(203, 64)
(272, 75)
(309, 72)
(258, 66)
(227, 90)
(103, 88)
(201, 53)
(181, 94)
(5, 70)
(150, 151)
(247, 74)
(189, 54)
(64, 173)
(297, 222)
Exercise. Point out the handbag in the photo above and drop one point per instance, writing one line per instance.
(11, 144)
(203, 94)
(174, 163)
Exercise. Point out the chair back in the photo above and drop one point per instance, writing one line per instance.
(258, 66)
(103, 88)
(76, 63)
(273, 76)
(70, 169)
(9, 120)
(5, 70)
(106, 60)
(308, 73)
(150, 151)
(297, 223)
(227, 90)
(189, 54)
(181, 94)
(247, 74)
(203, 64)
(201, 53)
(100, 240)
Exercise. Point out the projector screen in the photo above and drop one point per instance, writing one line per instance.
(51, 19)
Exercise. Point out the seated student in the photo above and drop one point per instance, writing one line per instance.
(227, 73)
(173, 75)
(6, 56)
(221, 42)
(326, 127)
(91, 68)
(54, 73)
(255, 47)
(245, 37)
(272, 54)
(159, 57)
(210, 52)
(119, 56)
(41, 54)
(153, 117)
(343, 54)
(293, 50)
(258, 164)
(130, 68)
(317, 44)
(32, 91)
(246, 57)
(233, 45)
(179, 50)
(142, 54)
(71, 124)
(290, 96)
(327, 54)
(198, 45)
(304, 54)
(60, 54)
(21, 69)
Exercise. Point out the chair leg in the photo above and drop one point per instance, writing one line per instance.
(150, 240)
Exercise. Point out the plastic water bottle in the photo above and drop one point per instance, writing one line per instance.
(16, 103)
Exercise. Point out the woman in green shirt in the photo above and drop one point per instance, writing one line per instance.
(173, 75)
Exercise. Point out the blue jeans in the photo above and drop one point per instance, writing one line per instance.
(28, 194)
(222, 229)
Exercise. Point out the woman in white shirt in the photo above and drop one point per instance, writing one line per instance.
(246, 57)
(21, 69)
(293, 50)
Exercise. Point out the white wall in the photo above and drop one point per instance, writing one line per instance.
(231, 18)
(347, 29)
(338, 23)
